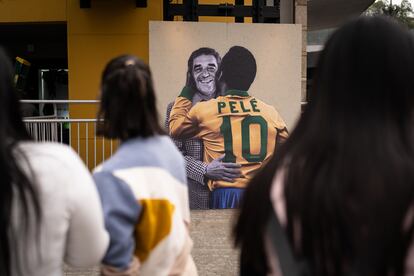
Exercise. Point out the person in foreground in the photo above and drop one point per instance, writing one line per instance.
(143, 185)
(50, 208)
(341, 187)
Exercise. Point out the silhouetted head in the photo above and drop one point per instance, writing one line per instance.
(128, 103)
(238, 68)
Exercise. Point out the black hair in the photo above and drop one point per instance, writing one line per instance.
(128, 102)
(199, 52)
(349, 163)
(16, 185)
(238, 68)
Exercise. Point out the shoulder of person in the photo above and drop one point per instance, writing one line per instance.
(176, 160)
(57, 165)
(267, 106)
(206, 106)
(55, 151)
(169, 143)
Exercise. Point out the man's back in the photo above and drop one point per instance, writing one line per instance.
(237, 124)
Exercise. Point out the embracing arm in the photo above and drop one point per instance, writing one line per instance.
(182, 123)
(198, 170)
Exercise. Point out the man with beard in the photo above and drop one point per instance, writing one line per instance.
(202, 73)
(246, 129)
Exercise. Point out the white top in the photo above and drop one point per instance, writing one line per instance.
(72, 227)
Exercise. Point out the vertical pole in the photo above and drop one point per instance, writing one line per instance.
(61, 133)
(103, 148)
(190, 10)
(166, 9)
(258, 11)
(94, 143)
(86, 144)
(78, 140)
(239, 19)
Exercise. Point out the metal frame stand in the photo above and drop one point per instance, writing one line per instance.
(190, 10)
(86, 4)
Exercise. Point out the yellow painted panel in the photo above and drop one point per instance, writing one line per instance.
(88, 55)
(112, 17)
(96, 35)
(32, 11)
(216, 19)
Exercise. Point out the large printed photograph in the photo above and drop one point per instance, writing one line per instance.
(229, 94)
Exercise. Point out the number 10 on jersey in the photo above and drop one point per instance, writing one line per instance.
(226, 131)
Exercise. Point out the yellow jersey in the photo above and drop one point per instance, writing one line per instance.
(238, 125)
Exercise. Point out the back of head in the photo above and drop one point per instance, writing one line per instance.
(128, 103)
(238, 68)
(363, 75)
(15, 185)
(354, 152)
(349, 162)
(11, 125)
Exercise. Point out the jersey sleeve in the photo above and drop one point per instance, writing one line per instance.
(281, 128)
(121, 212)
(183, 123)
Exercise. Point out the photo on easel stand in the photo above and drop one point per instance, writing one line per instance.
(230, 93)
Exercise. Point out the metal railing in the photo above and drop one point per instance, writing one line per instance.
(79, 133)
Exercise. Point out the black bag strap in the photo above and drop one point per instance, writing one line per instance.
(287, 261)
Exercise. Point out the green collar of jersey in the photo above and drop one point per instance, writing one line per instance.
(234, 92)
(187, 93)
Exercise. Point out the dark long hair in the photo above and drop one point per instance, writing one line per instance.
(15, 184)
(128, 102)
(349, 162)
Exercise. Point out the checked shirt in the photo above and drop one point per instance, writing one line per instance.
(192, 149)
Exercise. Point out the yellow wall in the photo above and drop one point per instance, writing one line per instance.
(108, 29)
(96, 35)
(32, 11)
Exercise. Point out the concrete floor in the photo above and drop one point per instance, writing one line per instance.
(213, 252)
